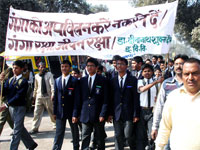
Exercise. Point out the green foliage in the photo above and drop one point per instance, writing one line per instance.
(31, 5)
(187, 27)
(99, 8)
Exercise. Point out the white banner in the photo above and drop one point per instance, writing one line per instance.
(144, 30)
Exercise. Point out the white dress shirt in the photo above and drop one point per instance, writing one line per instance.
(18, 77)
(92, 77)
(120, 78)
(66, 79)
(144, 95)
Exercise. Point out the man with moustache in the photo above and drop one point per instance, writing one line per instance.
(167, 86)
(43, 96)
(180, 118)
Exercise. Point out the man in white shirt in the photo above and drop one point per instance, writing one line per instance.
(167, 86)
(180, 117)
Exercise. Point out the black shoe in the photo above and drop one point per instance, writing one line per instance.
(33, 132)
(33, 147)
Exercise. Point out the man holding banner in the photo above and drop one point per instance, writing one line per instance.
(145, 30)
(15, 89)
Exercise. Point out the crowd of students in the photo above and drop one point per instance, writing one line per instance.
(131, 99)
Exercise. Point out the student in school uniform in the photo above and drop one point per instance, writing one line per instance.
(65, 96)
(15, 89)
(147, 88)
(124, 105)
(94, 101)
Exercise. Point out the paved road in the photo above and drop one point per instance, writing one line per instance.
(46, 135)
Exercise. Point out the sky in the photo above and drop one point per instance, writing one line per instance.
(113, 5)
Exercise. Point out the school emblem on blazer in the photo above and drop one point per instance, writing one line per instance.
(70, 91)
(128, 86)
(98, 88)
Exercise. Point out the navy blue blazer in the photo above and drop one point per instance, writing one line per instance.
(93, 104)
(64, 101)
(16, 92)
(124, 103)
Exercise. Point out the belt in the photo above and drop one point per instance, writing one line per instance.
(147, 107)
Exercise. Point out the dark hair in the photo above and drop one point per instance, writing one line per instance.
(100, 67)
(192, 60)
(156, 57)
(138, 59)
(116, 57)
(162, 62)
(92, 60)
(67, 62)
(170, 60)
(123, 59)
(148, 60)
(76, 70)
(184, 57)
(147, 66)
(19, 63)
(158, 68)
(161, 57)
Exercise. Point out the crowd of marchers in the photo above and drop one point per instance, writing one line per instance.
(154, 105)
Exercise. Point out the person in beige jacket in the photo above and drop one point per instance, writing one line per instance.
(43, 96)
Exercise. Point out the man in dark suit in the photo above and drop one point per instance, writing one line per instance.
(15, 89)
(114, 72)
(65, 96)
(93, 89)
(124, 106)
(155, 62)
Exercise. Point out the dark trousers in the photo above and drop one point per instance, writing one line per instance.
(19, 131)
(94, 135)
(123, 129)
(87, 129)
(60, 133)
(143, 129)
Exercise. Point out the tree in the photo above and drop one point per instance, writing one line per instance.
(72, 6)
(187, 27)
(99, 8)
(31, 5)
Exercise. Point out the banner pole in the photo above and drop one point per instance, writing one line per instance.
(166, 62)
(78, 62)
